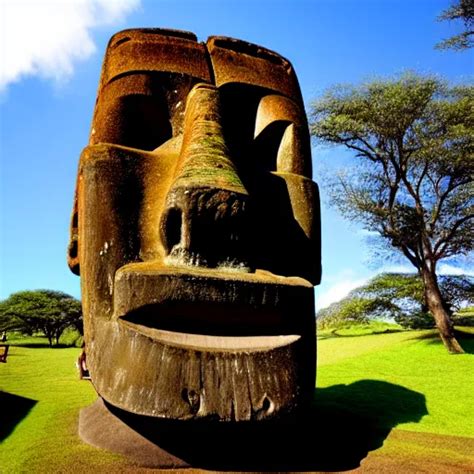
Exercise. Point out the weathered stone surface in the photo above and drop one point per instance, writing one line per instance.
(196, 231)
(238, 62)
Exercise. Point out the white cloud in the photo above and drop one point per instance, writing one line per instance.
(47, 37)
(446, 269)
(337, 291)
(395, 269)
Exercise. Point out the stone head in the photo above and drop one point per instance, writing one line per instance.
(196, 230)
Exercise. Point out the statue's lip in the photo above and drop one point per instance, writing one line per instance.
(212, 303)
(210, 343)
(152, 268)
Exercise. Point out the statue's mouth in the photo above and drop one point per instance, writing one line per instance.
(194, 343)
(210, 318)
(229, 309)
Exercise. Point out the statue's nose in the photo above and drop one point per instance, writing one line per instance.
(205, 218)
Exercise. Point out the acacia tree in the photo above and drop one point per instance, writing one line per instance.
(48, 311)
(462, 10)
(414, 140)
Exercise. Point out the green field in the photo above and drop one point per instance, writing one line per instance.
(400, 397)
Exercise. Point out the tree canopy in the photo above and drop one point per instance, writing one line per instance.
(398, 297)
(462, 10)
(413, 137)
(47, 311)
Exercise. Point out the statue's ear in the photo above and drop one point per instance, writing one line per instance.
(73, 247)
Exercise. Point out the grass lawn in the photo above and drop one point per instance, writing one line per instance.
(40, 396)
(415, 360)
(405, 380)
(416, 396)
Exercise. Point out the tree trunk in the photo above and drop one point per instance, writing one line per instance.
(437, 307)
(49, 335)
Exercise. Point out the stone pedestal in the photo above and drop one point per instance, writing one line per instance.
(224, 446)
(100, 427)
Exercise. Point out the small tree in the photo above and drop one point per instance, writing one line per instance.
(352, 310)
(414, 138)
(462, 10)
(48, 311)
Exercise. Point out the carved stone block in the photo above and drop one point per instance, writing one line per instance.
(196, 231)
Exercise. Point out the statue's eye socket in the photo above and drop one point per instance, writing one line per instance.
(281, 136)
(143, 121)
(142, 110)
(239, 104)
(268, 144)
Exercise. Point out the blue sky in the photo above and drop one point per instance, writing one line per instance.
(50, 59)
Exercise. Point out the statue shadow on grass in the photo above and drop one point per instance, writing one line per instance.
(344, 423)
(13, 409)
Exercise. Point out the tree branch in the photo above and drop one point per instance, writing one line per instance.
(442, 243)
(412, 257)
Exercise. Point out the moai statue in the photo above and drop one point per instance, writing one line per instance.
(196, 231)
